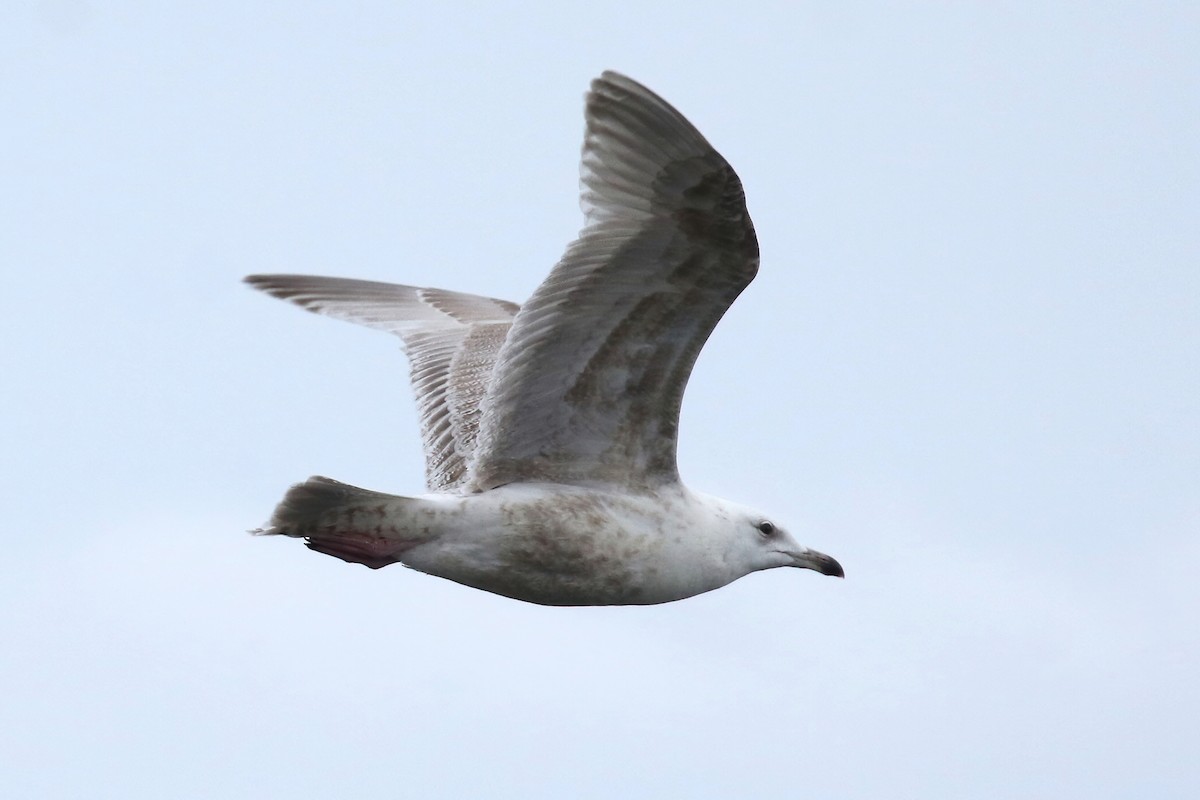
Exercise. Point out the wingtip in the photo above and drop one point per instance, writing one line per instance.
(282, 287)
(615, 84)
(259, 281)
(612, 76)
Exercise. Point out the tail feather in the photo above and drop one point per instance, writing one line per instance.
(359, 526)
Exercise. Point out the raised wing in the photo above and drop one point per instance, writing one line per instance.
(589, 382)
(451, 339)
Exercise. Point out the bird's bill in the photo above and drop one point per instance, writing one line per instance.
(811, 559)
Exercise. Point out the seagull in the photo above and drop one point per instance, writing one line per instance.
(550, 428)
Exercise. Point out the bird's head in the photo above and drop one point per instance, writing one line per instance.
(760, 543)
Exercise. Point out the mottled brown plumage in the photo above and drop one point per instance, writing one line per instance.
(550, 430)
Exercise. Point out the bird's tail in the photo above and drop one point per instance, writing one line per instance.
(356, 525)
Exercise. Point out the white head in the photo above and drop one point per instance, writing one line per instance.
(758, 542)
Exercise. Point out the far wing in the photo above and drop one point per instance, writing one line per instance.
(589, 382)
(451, 339)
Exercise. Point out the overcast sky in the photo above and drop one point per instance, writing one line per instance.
(969, 369)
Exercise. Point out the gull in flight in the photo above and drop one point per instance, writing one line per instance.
(550, 428)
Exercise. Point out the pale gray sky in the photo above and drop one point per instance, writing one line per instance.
(968, 369)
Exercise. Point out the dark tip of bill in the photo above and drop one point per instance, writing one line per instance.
(832, 567)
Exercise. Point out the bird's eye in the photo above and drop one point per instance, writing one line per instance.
(766, 528)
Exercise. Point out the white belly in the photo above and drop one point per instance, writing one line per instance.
(559, 545)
